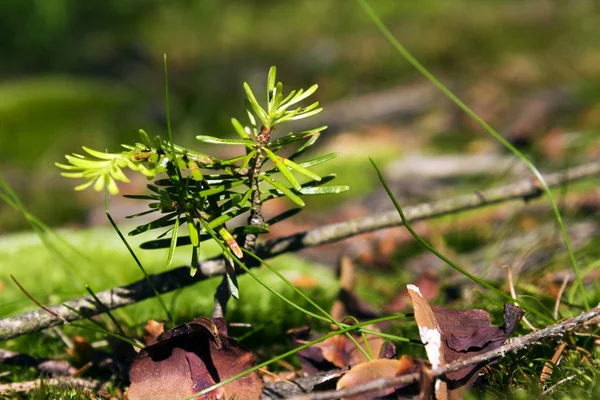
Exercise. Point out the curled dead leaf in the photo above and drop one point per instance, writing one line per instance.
(337, 351)
(152, 331)
(376, 369)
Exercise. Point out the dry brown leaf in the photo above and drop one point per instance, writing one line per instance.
(348, 302)
(189, 358)
(82, 351)
(338, 351)
(152, 331)
(451, 335)
(376, 369)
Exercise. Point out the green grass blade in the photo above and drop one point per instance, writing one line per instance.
(309, 300)
(106, 310)
(227, 251)
(451, 263)
(137, 261)
(168, 115)
(419, 67)
(48, 237)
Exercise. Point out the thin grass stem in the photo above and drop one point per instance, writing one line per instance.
(419, 67)
(106, 310)
(442, 257)
(137, 261)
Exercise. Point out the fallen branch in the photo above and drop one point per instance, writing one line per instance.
(180, 277)
(512, 346)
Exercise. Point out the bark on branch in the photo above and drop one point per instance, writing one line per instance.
(180, 277)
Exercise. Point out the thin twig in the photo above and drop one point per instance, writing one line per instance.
(551, 388)
(512, 346)
(563, 286)
(513, 294)
(549, 365)
(180, 277)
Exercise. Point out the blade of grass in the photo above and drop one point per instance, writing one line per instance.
(328, 317)
(419, 67)
(444, 258)
(106, 310)
(173, 244)
(168, 114)
(310, 301)
(137, 261)
(45, 233)
(102, 329)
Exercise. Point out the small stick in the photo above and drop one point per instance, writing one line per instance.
(549, 366)
(551, 388)
(177, 278)
(559, 295)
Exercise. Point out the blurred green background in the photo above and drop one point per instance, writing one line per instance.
(90, 73)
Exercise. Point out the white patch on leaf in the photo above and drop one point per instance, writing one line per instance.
(433, 344)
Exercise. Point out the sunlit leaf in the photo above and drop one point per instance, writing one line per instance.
(99, 154)
(284, 190)
(167, 220)
(324, 190)
(223, 218)
(194, 235)
(243, 168)
(173, 244)
(319, 160)
(231, 243)
(301, 95)
(249, 112)
(262, 115)
(300, 169)
(282, 168)
(215, 140)
(304, 115)
(240, 129)
(271, 78)
(220, 188)
(292, 138)
(145, 138)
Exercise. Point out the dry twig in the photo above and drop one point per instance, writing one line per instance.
(180, 277)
